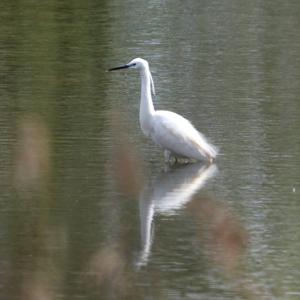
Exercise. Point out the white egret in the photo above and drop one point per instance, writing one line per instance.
(175, 134)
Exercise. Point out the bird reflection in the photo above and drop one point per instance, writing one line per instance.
(165, 195)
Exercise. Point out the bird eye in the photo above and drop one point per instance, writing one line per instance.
(134, 64)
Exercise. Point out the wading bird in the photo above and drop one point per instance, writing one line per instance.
(172, 132)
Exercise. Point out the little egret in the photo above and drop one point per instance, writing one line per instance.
(172, 132)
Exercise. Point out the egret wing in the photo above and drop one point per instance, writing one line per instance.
(175, 133)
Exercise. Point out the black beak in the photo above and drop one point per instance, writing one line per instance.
(118, 68)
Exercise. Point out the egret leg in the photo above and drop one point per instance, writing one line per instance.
(167, 155)
(170, 158)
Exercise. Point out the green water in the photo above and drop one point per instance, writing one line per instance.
(87, 208)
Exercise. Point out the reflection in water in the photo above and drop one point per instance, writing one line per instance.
(168, 193)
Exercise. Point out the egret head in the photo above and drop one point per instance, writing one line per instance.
(141, 65)
(137, 63)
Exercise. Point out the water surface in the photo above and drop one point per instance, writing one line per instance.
(87, 207)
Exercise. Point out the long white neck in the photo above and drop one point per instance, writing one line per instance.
(146, 105)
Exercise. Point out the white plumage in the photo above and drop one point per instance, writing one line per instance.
(175, 134)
